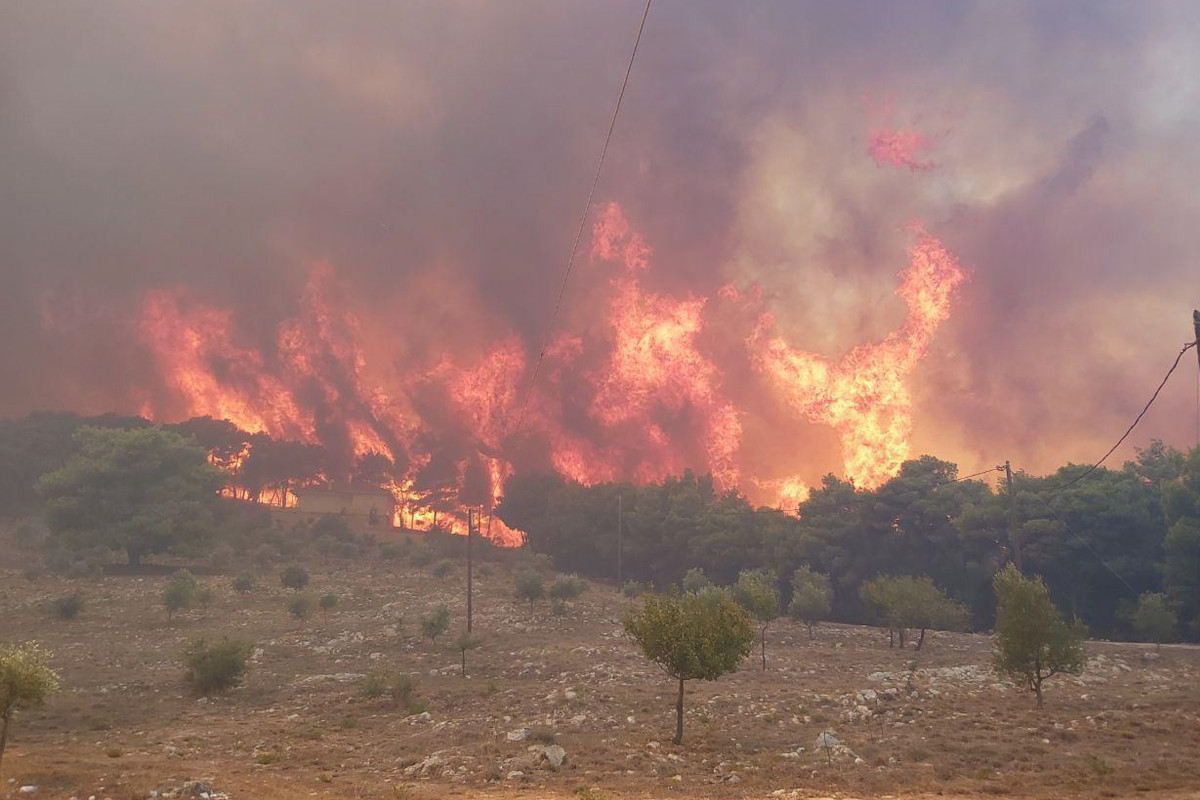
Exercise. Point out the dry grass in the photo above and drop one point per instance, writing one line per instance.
(299, 727)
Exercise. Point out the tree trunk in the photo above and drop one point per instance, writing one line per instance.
(464, 663)
(4, 733)
(135, 556)
(810, 627)
(1037, 688)
(891, 637)
(679, 715)
(902, 632)
(921, 640)
(763, 646)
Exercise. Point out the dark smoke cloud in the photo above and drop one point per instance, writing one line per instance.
(437, 154)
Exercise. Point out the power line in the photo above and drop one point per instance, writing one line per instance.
(1136, 420)
(587, 210)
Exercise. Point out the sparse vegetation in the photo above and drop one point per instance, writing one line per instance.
(435, 623)
(1154, 618)
(400, 687)
(301, 605)
(243, 583)
(698, 636)
(26, 680)
(294, 577)
(180, 593)
(68, 607)
(905, 602)
(757, 591)
(216, 667)
(442, 568)
(812, 598)
(327, 603)
(1033, 642)
(464, 643)
(568, 588)
(529, 587)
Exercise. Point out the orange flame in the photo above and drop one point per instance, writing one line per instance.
(865, 396)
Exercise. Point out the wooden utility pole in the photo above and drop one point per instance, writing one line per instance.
(1196, 327)
(470, 570)
(1014, 538)
(619, 576)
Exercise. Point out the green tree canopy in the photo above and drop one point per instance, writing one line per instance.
(906, 602)
(757, 591)
(26, 679)
(699, 636)
(1154, 618)
(1033, 642)
(812, 597)
(142, 490)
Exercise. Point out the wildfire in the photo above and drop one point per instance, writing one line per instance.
(636, 395)
(865, 397)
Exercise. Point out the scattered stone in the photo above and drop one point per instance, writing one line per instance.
(518, 735)
(554, 755)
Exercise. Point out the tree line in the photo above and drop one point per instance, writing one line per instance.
(1115, 545)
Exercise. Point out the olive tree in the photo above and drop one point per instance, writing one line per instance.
(435, 623)
(904, 602)
(757, 591)
(1154, 618)
(463, 643)
(812, 597)
(25, 681)
(1033, 642)
(696, 636)
(528, 585)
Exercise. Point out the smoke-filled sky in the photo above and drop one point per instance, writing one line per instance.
(436, 155)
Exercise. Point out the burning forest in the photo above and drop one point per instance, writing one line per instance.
(638, 395)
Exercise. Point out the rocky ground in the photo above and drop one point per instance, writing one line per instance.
(561, 706)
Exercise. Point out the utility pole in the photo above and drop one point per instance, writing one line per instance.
(619, 576)
(470, 576)
(1014, 539)
(1196, 327)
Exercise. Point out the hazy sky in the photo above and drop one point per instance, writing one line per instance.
(437, 154)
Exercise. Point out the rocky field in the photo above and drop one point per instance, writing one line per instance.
(560, 706)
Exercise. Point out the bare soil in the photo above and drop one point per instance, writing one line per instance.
(933, 723)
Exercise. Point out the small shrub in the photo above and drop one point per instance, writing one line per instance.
(567, 588)
(558, 608)
(211, 668)
(633, 589)
(243, 583)
(179, 593)
(485, 570)
(32, 573)
(528, 586)
(68, 607)
(399, 686)
(435, 623)
(442, 568)
(205, 596)
(294, 577)
(58, 561)
(301, 606)
(327, 602)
